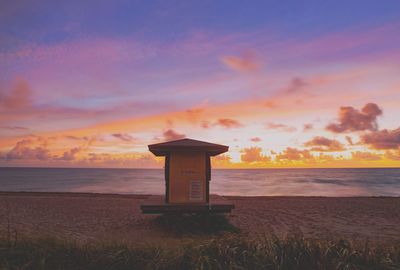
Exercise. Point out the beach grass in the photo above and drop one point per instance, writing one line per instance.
(223, 252)
(195, 224)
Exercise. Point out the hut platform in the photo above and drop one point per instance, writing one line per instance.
(155, 204)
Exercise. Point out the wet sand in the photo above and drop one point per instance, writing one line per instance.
(117, 217)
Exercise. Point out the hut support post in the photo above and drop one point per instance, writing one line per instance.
(166, 171)
(208, 177)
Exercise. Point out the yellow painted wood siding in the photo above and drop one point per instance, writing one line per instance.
(186, 167)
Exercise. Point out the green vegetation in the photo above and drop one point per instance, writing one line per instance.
(225, 252)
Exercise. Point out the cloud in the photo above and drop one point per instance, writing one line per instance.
(205, 124)
(194, 114)
(75, 138)
(19, 97)
(307, 127)
(358, 155)
(171, 135)
(296, 84)
(14, 128)
(255, 139)
(280, 127)
(131, 160)
(124, 137)
(36, 148)
(294, 154)
(323, 144)
(383, 139)
(85, 139)
(221, 161)
(270, 104)
(393, 155)
(349, 140)
(253, 154)
(222, 122)
(70, 154)
(35, 151)
(246, 62)
(228, 123)
(28, 150)
(351, 119)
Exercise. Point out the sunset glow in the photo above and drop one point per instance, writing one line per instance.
(92, 86)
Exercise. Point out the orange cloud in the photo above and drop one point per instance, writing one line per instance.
(294, 154)
(221, 161)
(280, 127)
(393, 155)
(194, 114)
(223, 122)
(131, 160)
(228, 123)
(358, 155)
(253, 154)
(351, 119)
(323, 144)
(245, 62)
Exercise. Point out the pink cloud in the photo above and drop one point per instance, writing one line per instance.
(349, 140)
(17, 128)
(171, 135)
(351, 119)
(28, 150)
(307, 127)
(70, 155)
(296, 84)
(124, 137)
(323, 144)
(19, 97)
(255, 139)
(383, 139)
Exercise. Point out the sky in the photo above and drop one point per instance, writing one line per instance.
(282, 83)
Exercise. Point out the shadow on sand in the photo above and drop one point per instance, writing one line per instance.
(195, 223)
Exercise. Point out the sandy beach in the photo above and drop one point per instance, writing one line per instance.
(117, 217)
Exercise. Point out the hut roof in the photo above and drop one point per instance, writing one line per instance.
(161, 149)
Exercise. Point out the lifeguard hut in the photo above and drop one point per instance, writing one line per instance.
(187, 178)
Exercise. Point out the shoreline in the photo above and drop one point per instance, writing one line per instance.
(142, 196)
(235, 168)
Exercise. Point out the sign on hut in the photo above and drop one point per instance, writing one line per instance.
(187, 178)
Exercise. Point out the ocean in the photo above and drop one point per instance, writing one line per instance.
(243, 182)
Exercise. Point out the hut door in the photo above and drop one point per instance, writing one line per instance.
(187, 177)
